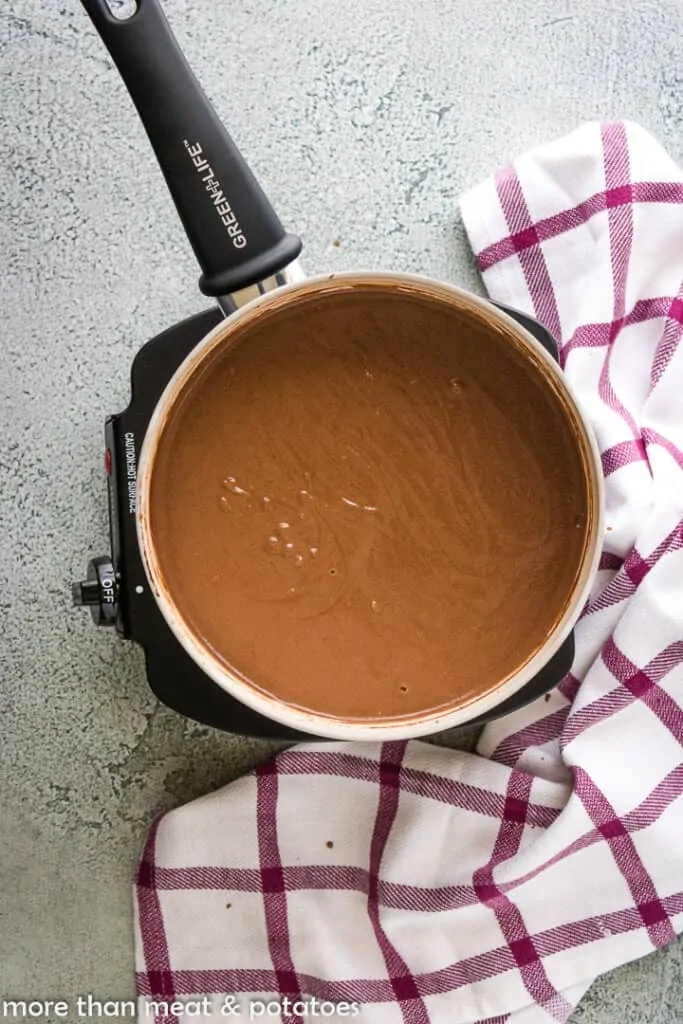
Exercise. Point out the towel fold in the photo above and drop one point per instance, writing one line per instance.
(405, 883)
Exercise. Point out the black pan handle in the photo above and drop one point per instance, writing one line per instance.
(235, 233)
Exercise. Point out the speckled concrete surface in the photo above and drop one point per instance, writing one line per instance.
(365, 121)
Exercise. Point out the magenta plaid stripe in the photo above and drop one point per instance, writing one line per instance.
(510, 921)
(642, 683)
(569, 687)
(662, 796)
(402, 981)
(208, 877)
(622, 454)
(610, 562)
(670, 340)
(566, 220)
(322, 877)
(273, 886)
(644, 816)
(623, 849)
(159, 978)
(634, 684)
(598, 335)
(537, 733)
(530, 254)
(620, 219)
(653, 437)
(426, 784)
(633, 571)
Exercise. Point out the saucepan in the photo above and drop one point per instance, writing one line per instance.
(250, 264)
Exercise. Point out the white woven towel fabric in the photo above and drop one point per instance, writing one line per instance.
(405, 883)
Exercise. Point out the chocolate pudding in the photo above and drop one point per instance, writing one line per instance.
(371, 504)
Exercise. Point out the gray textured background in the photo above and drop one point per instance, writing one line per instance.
(365, 121)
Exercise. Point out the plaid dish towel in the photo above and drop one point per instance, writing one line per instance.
(406, 884)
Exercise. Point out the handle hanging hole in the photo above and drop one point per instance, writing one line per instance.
(122, 10)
